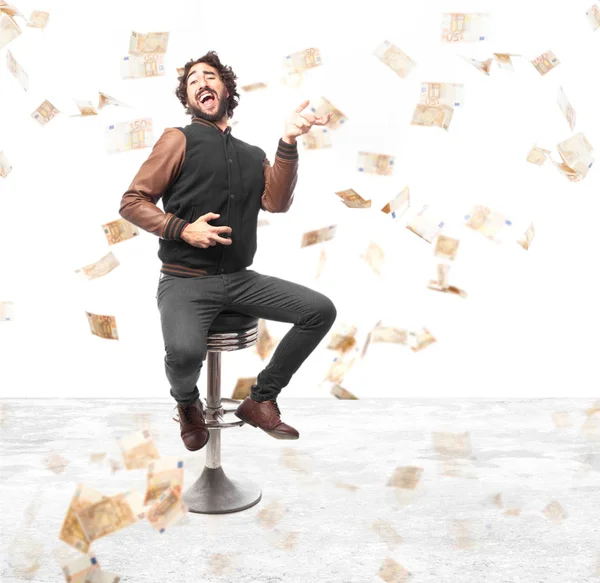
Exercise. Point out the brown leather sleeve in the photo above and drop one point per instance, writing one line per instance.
(138, 204)
(280, 179)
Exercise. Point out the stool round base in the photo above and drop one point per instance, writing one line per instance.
(214, 493)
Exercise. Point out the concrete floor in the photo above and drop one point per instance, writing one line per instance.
(518, 499)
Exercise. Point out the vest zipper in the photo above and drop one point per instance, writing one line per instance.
(219, 267)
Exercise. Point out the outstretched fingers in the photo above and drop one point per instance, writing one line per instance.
(302, 105)
(321, 121)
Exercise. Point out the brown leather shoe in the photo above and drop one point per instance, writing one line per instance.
(266, 416)
(193, 425)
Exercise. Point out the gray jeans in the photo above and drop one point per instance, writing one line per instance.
(188, 306)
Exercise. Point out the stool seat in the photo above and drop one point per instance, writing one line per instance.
(229, 321)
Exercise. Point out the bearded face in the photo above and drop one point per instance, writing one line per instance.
(206, 93)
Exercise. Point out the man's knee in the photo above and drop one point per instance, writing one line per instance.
(326, 311)
(186, 358)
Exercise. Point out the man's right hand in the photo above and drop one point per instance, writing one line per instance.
(201, 234)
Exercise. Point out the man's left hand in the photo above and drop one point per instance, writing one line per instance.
(298, 124)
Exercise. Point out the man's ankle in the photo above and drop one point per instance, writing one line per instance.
(187, 404)
(254, 396)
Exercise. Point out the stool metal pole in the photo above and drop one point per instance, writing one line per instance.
(213, 492)
(213, 404)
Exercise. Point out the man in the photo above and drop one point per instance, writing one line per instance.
(206, 175)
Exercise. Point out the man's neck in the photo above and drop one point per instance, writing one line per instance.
(221, 124)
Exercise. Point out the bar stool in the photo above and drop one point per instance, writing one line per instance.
(213, 492)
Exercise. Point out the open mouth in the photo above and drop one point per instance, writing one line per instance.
(207, 99)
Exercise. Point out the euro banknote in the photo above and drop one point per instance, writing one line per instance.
(446, 247)
(78, 569)
(339, 367)
(420, 340)
(545, 62)
(168, 509)
(301, 61)
(566, 108)
(164, 473)
(483, 66)
(341, 393)
(405, 477)
(99, 268)
(435, 285)
(442, 274)
(537, 155)
(426, 224)
(17, 71)
(374, 257)
(129, 135)
(343, 337)
(71, 531)
(141, 66)
(504, 61)
(242, 388)
(398, 205)
(104, 100)
(373, 163)
(138, 449)
(253, 87)
(9, 30)
(430, 115)
(86, 108)
(322, 107)
(103, 326)
(318, 236)
(317, 139)
(106, 516)
(38, 19)
(389, 334)
(119, 230)
(487, 222)
(576, 153)
(321, 263)
(353, 200)
(147, 43)
(45, 113)
(593, 16)
(7, 312)
(100, 576)
(527, 237)
(458, 27)
(5, 165)
(396, 59)
(436, 94)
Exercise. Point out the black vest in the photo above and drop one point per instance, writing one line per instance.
(220, 174)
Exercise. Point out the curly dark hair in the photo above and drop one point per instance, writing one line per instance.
(227, 76)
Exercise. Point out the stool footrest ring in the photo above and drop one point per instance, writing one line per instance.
(220, 425)
(214, 416)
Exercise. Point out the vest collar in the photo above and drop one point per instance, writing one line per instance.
(211, 124)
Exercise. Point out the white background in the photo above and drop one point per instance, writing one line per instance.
(529, 327)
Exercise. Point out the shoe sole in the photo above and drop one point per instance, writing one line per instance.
(274, 434)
